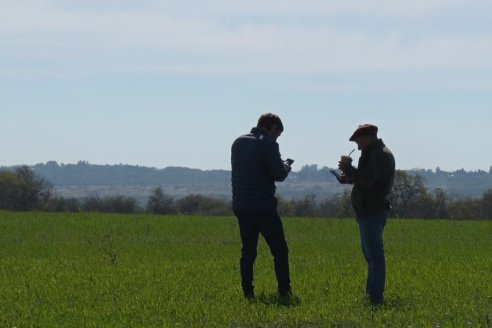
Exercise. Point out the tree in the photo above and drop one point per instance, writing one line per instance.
(10, 189)
(465, 209)
(344, 208)
(198, 204)
(34, 190)
(422, 207)
(328, 208)
(62, 204)
(441, 200)
(486, 210)
(305, 206)
(160, 203)
(120, 204)
(110, 204)
(285, 207)
(22, 190)
(308, 172)
(406, 191)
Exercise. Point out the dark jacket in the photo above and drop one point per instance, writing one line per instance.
(256, 165)
(373, 179)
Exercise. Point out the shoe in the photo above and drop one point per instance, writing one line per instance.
(287, 293)
(287, 299)
(249, 295)
(377, 302)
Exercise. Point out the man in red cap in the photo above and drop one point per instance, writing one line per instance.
(372, 179)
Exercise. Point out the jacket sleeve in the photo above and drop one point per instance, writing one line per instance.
(275, 166)
(370, 174)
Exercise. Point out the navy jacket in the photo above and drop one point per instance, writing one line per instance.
(256, 165)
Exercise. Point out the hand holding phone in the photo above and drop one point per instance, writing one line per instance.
(342, 178)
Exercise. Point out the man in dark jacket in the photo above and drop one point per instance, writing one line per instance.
(372, 179)
(256, 165)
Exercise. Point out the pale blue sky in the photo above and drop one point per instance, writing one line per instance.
(172, 83)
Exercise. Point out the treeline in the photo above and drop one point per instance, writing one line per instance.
(410, 198)
(83, 173)
(22, 190)
(458, 183)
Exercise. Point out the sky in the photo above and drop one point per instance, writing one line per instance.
(172, 83)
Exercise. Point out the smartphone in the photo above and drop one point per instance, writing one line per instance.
(337, 175)
(289, 161)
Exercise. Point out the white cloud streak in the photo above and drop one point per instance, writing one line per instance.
(217, 36)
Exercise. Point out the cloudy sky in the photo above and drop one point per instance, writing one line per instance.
(172, 83)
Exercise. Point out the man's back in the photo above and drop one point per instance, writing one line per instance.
(256, 165)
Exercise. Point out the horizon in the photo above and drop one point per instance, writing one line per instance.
(319, 167)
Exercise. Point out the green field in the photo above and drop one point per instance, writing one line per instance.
(105, 270)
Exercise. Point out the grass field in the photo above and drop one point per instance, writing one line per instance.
(102, 270)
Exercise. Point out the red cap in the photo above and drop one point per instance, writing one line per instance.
(364, 130)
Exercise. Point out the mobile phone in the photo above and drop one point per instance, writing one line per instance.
(289, 161)
(337, 175)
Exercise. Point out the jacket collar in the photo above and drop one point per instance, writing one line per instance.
(259, 132)
(375, 145)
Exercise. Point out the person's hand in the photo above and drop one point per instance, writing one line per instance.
(342, 166)
(344, 163)
(344, 179)
(288, 162)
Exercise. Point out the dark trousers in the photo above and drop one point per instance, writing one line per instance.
(268, 223)
(371, 236)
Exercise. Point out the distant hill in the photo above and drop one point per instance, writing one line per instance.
(458, 183)
(84, 179)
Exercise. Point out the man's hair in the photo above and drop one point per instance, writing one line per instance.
(268, 120)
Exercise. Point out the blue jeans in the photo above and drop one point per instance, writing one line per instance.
(371, 229)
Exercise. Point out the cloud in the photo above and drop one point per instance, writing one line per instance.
(217, 36)
(316, 7)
